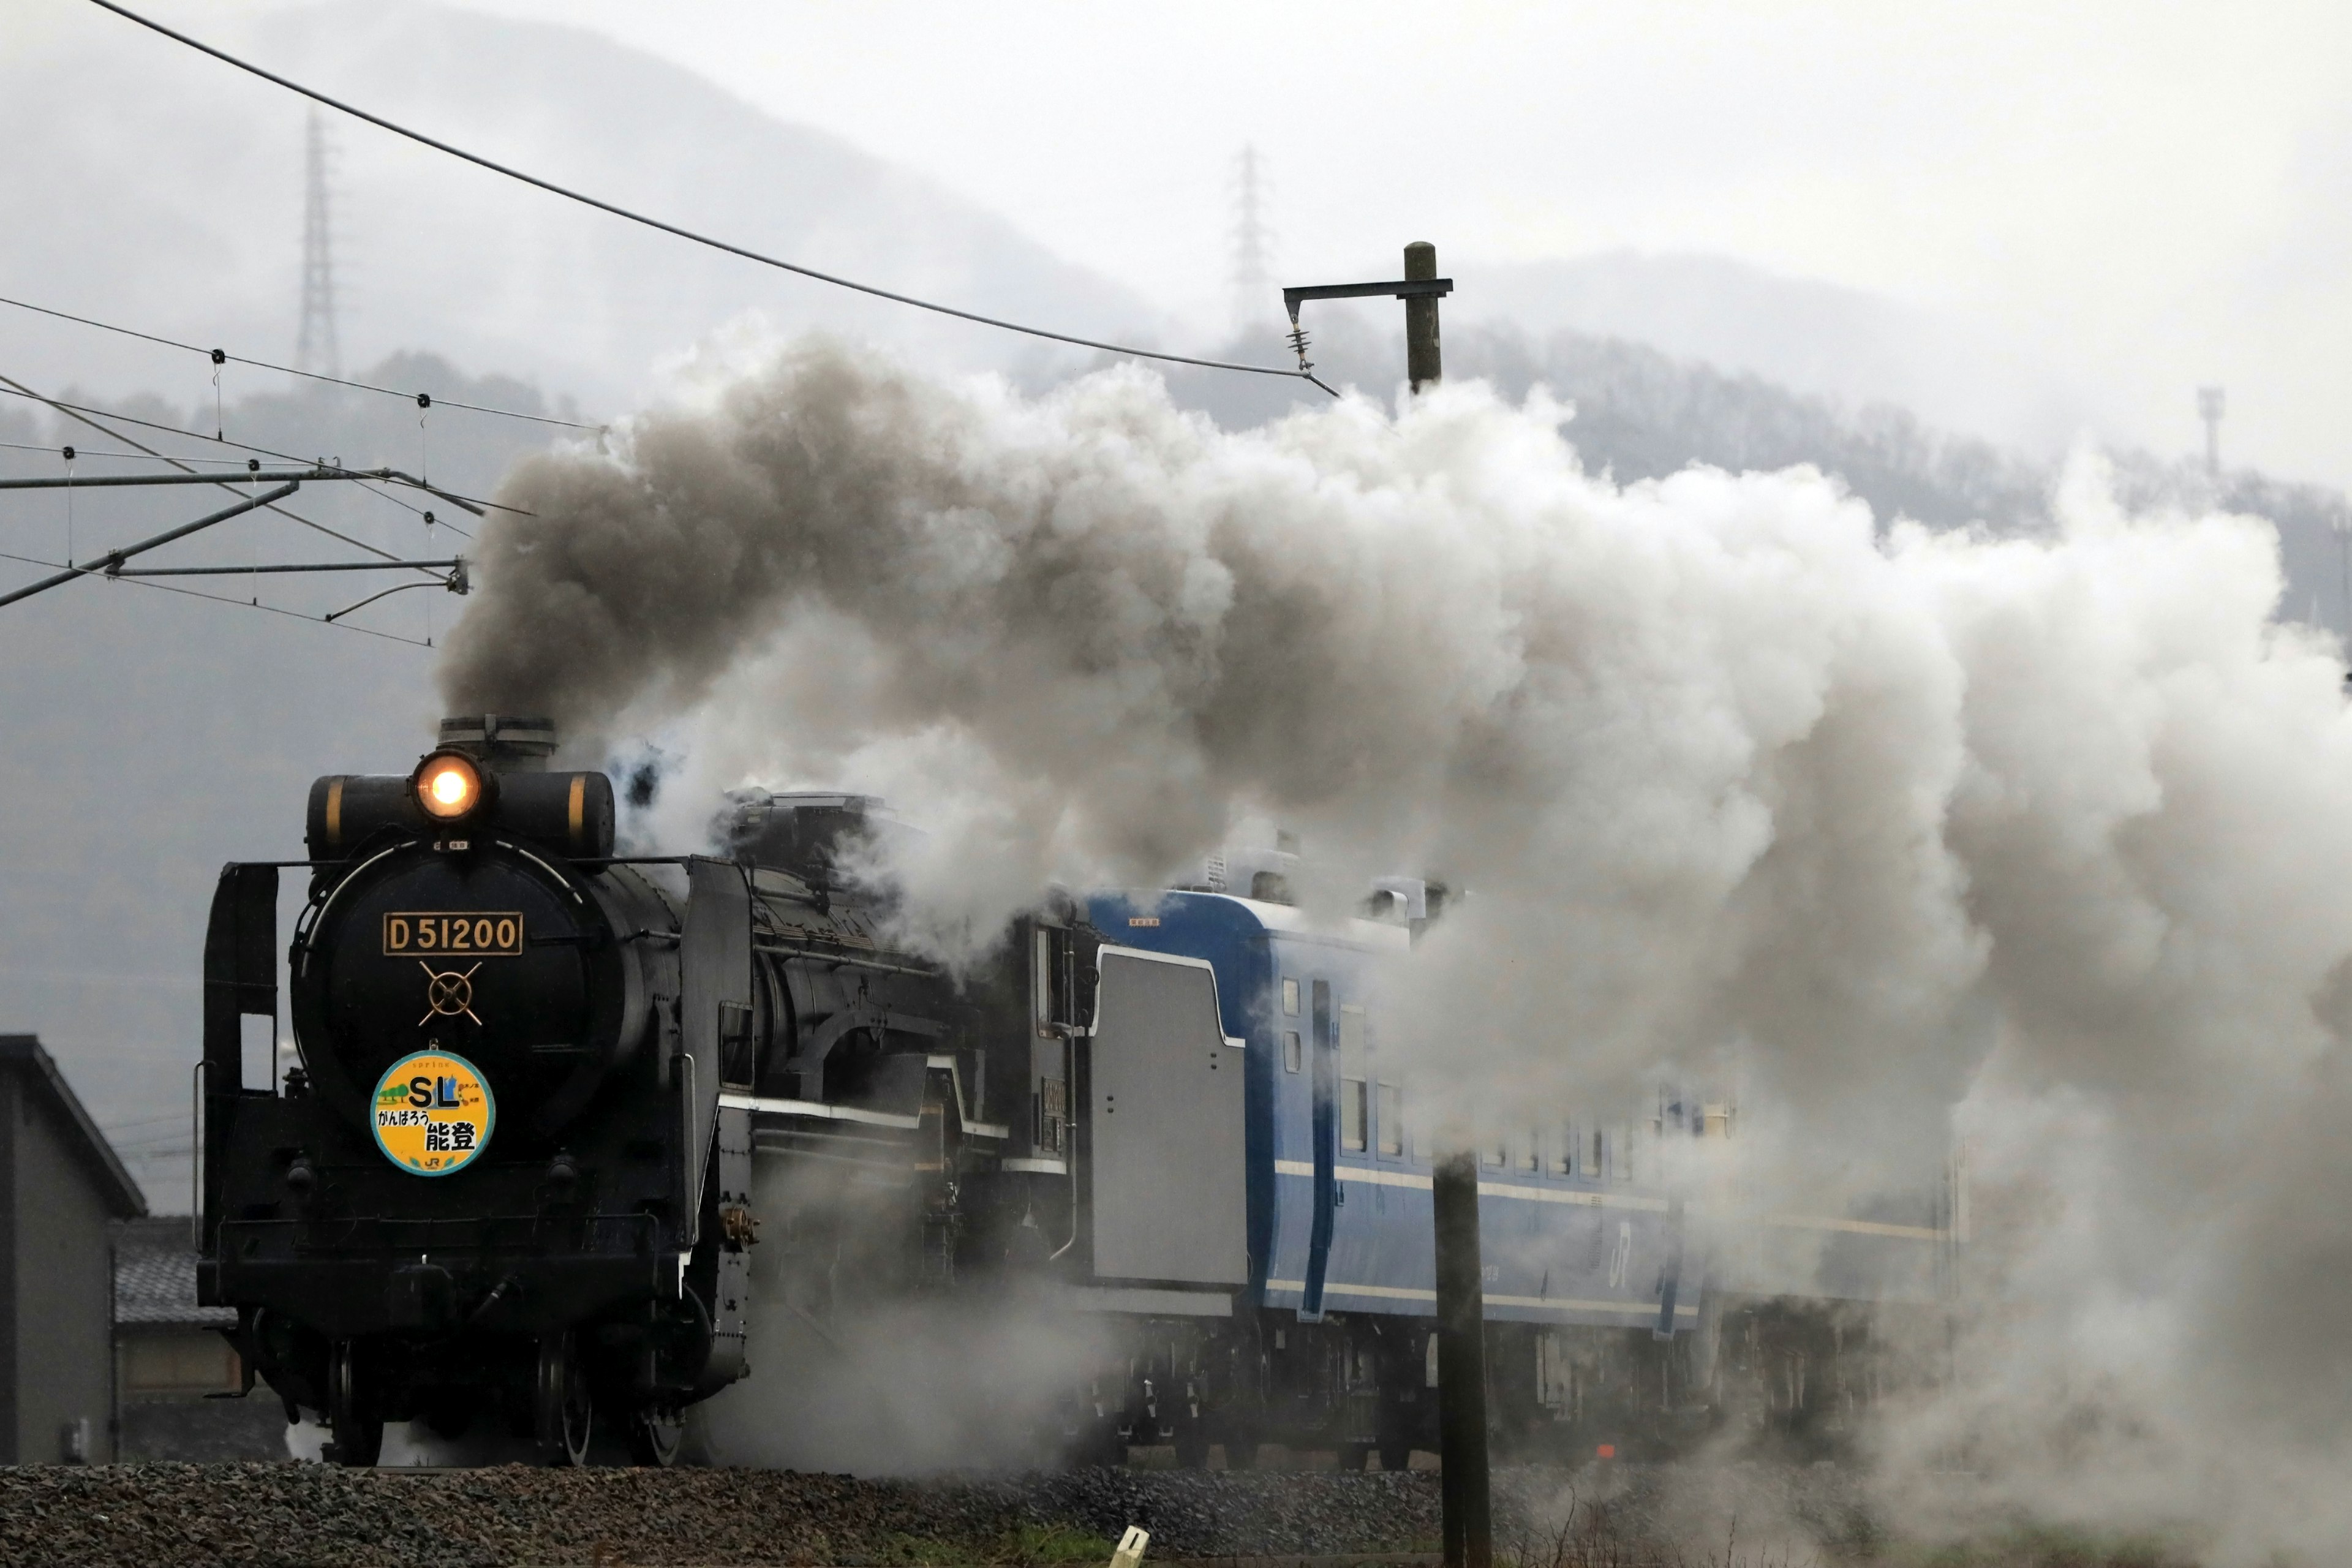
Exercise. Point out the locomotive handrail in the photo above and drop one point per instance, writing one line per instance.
(693, 1154)
(196, 1167)
(841, 960)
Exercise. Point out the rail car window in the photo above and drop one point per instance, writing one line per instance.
(1355, 1089)
(1598, 1163)
(1391, 1107)
(1531, 1157)
(1563, 1153)
(1352, 1115)
(1294, 1055)
(1290, 998)
(1623, 1167)
(1493, 1154)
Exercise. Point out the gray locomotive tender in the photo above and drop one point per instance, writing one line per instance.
(512, 1177)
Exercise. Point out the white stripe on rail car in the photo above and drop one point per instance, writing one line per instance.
(1538, 1303)
(1379, 1178)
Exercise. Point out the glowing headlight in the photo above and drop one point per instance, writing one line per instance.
(448, 785)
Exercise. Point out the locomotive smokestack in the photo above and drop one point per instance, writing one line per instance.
(504, 743)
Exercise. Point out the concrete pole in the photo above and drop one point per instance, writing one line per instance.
(1421, 356)
(1463, 1492)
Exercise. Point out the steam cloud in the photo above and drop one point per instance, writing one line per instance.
(1879, 821)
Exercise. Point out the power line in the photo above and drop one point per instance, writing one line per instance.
(236, 604)
(673, 229)
(103, 565)
(92, 418)
(268, 502)
(255, 474)
(222, 356)
(126, 457)
(471, 503)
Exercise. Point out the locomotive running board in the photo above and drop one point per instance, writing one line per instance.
(817, 1108)
(768, 1105)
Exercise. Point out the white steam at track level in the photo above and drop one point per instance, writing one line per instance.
(2057, 829)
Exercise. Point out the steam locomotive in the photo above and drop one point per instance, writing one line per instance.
(511, 1178)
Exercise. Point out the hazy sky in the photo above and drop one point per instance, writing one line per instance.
(2151, 194)
(2141, 197)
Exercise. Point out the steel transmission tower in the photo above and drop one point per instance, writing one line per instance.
(316, 347)
(1253, 292)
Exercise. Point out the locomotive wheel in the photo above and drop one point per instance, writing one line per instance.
(562, 1412)
(358, 1434)
(654, 1436)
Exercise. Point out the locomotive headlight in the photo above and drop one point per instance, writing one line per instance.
(448, 785)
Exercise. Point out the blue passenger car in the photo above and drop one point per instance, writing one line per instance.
(1339, 1177)
(1603, 1330)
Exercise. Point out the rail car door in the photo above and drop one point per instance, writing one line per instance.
(1166, 1154)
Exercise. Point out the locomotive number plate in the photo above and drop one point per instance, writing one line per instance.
(467, 933)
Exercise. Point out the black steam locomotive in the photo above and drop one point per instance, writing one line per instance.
(510, 1177)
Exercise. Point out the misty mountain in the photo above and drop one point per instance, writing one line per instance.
(167, 194)
(1854, 349)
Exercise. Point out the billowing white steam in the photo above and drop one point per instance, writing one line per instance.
(2058, 827)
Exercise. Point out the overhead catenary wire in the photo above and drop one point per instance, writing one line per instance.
(94, 419)
(272, 503)
(224, 356)
(103, 565)
(186, 465)
(254, 474)
(680, 232)
(125, 457)
(234, 604)
(474, 504)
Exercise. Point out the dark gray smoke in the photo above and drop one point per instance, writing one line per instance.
(1741, 786)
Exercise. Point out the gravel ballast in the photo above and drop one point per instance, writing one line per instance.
(148, 1516)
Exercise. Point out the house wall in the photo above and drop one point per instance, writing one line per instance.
(165, 1372)
(63, 1290)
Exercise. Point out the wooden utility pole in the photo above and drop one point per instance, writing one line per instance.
(1469, 1528)
(1421, 356)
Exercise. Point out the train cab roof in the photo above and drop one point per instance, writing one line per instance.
(1167, 914)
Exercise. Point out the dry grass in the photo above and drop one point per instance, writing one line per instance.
(1593, 1535)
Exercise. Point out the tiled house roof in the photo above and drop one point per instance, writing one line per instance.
(155, 1276)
